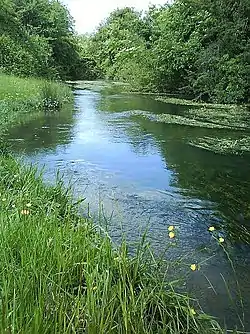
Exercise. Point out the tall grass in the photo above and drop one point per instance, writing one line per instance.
(19, 97)
(60, 274)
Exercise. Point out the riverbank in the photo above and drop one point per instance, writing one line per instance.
(60, 272)
(21, 98)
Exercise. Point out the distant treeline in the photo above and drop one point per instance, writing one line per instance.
(196, 48)
(199, 48)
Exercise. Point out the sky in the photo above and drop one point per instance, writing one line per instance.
(88, 14)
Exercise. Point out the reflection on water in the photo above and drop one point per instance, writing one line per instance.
(146, 175)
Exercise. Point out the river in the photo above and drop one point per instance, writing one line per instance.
(137, 173)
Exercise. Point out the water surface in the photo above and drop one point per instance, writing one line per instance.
(146, 175)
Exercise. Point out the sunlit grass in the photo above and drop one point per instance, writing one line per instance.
(20, 97)
(15, 88)
(60, 274)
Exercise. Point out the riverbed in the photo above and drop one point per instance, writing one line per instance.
(140, 174)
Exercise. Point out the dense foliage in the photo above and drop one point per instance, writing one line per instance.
(199, 48)
(37, 38)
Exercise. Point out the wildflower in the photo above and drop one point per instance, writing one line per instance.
(193, 267)
(221, 240)
(192, 311)
(171, 235)
(25, 212)
(94, 288)
(211, 229)
(28, 205)
(171, 228)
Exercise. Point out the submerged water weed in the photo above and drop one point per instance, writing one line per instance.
(237, 146)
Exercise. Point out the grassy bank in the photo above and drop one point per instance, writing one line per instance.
(59, 272)
(19, 98)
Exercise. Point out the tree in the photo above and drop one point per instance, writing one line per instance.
(38, 39)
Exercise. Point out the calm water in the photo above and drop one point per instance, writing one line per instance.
(147, 175)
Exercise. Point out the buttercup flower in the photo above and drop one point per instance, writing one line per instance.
(192, 311)
(211, 228)
(171, 235)
(193, 267)
(221, 240)
(171, 228)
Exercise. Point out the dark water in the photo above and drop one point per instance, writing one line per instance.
(145, 174)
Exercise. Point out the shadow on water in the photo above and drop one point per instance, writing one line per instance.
(146, 175)
(44, 133)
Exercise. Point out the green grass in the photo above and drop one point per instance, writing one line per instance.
(20, 97)
(59, 272)
(15, 88)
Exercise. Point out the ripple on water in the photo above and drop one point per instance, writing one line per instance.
(147, 177)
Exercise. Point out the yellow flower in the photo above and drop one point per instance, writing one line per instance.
(28, 205)
(221, 240)
(171, 235)
(25, 212)
(94, 288)
(192, 311)
(211, 228)
(193, 267)
(171, 228)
